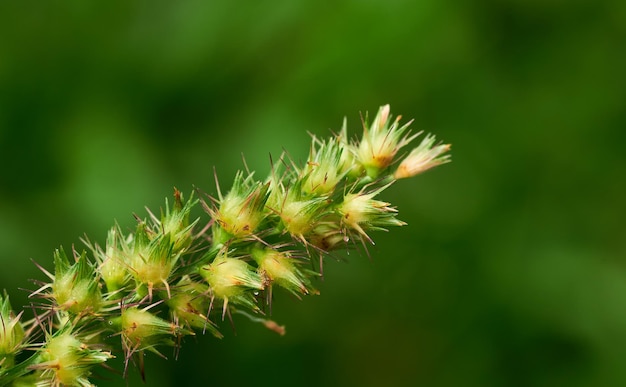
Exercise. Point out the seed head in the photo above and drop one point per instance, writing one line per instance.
(422, 158)
(381, 141)
(348, 160)
(232, 280)
(241, 211)
(151, 260)
(175, 222)
(189, 304)
(299, 212)
(361, 212)
(75, 287)
(113, 268)
(66, 360)
(327, 236)
(324, 168)
(142, 330)
(11, 334)
(280, 267)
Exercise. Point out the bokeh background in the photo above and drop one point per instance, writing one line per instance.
(512, 271)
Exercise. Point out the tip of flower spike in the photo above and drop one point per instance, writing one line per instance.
(381, 142)
(424, 157)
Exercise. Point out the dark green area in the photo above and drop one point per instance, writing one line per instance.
(512, 271)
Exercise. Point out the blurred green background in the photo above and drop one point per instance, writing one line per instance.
(512, 271)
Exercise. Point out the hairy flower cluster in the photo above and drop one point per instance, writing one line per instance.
(175, 276)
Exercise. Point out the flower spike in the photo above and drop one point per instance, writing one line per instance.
(167, 279)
